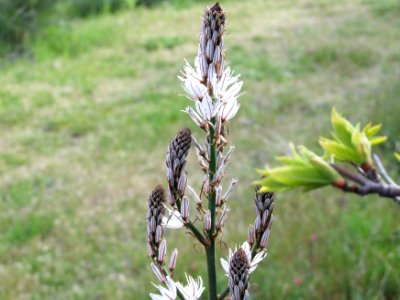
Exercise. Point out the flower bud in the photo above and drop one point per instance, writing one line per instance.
(218, 195)
(172, 260)
(250, 235)
(207, 221)
(162, 251)
(182, 184)
(159, 232)
(264, 218)
(264, 239)
(157, 272)
(257, 223)
(185, 208)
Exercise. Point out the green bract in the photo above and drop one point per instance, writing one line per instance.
(350, 143)
(302, 169)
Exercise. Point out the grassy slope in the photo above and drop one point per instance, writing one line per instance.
(84, 130)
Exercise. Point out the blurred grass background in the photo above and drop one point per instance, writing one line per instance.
(89, 100)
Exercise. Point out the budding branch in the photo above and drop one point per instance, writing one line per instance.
(362, 184)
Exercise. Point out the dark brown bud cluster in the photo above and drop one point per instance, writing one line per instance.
(239, 275)
(176, 160)
(259, 234)
(211, 46)
(155, 214)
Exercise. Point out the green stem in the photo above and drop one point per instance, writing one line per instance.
(212, 274)
(189, 225)
(197, 233)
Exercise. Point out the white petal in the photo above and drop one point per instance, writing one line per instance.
(157, 297)
(225, 266)
(227, 87)
(257, 259)
(173, 221)
(192, 81)
(246, 248)
(193, 290)
(229, 110)
(194, 116)
(205, 108)
(166, 294)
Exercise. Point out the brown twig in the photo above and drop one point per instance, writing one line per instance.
(365, 186)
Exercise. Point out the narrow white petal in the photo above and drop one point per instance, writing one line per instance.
(256, 260)
(193, 290)
(194, 116)
(168, 293)
(230, 109)
(157, 297)
(246, 248)
(225, 266)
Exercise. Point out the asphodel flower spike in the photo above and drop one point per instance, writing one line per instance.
(239, 275)
(176, 161)
(253, 261)
(213, 89)
(155, 215)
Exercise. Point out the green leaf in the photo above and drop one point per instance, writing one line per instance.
(339, 151)
(370, 130)
(303, 169)
(361, 144)
(342, 128)
(377, 140)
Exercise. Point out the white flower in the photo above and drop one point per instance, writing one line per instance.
(173, 221)
(227, 87)
(223, 102)
(252, 262)
(207, 108)
(166, 294)
(192, 81)
(226, 91)
(227, 110)
(193, 290)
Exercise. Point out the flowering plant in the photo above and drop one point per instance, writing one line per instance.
(214, 90)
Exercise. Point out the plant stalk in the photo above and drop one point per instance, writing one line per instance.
(189, 225)
(210, 251)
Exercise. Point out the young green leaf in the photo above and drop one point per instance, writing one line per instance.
(302, 169)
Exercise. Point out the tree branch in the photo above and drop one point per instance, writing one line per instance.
(365, 186)
(382, 170)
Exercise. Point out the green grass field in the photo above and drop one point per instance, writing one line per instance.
(84, 127)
